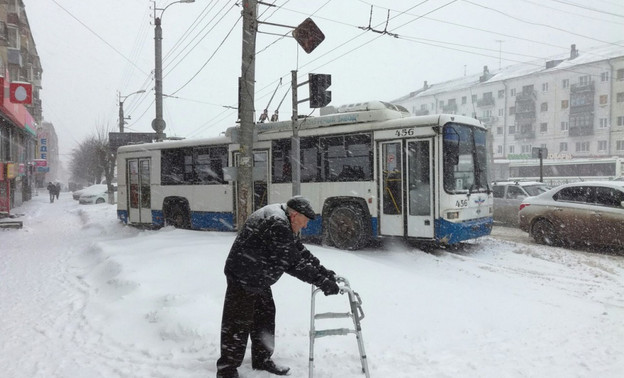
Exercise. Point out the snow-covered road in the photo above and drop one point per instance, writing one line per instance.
(83, 296)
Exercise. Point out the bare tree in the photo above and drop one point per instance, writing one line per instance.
(93, 159)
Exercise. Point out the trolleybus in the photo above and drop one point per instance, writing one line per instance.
(556, 172)
(370, 170)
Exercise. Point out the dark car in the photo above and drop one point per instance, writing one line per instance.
(590, 213)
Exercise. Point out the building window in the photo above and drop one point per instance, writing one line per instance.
(604, 99)
(619, 145)
(499, 130)
(526, 148)
(463, 100)
(474, 98)
(563, 146)
(602, 145)
(620, 97)
(564, 104)
(603, 123)
(582, 146)
(604, 76)
(512, 149)
(513, 92)
(501, 112)
(544, 87)
(501, 93)
(565, 83)
(544, 107)
(442, 103)
(14, 37)
(565, 126)
(499, 149)
(620, 74)
(512, 110)
(543, 127)
(620, 121)
(585, 80)
(512, 129)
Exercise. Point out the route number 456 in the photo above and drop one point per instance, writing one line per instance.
(405, 132)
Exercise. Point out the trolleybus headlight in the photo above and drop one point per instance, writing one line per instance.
(452, 215)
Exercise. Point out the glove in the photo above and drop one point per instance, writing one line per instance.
(327, 273)
(329, 287)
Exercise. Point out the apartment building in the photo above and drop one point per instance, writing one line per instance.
(20, 109)
(572, 105)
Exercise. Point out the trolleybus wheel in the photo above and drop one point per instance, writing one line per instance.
(347, 227)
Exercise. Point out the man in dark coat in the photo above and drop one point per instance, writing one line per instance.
(266, 247)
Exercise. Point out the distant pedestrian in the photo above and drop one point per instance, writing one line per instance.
(58, 189)
(52, 191)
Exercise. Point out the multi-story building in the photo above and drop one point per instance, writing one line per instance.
(572, 105)
(20, 114)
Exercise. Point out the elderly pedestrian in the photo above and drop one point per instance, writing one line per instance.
(266, 247)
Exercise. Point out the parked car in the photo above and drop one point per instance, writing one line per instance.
(508, 195)
(97, 193)
(590, 213)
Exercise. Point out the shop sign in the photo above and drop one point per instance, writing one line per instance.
(11, 170)
(1, 171)
(41, 163)
(21, 169)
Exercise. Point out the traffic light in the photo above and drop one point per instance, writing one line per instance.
(319, 95)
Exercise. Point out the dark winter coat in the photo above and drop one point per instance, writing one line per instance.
(266, 248)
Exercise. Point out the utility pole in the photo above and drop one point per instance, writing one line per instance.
(158, 124)
(245, 193)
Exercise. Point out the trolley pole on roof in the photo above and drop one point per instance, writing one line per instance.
(244, 200)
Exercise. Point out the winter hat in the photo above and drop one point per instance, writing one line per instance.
(301, 205)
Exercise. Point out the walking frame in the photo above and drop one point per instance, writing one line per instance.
(356, 314)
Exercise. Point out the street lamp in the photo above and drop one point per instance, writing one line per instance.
(159, 124)
(121, 111)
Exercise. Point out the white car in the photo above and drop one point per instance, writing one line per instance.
(508, 195)
(96, 194)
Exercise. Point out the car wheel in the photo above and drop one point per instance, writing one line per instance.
(544, 233)
(99, 200)
(347, 227)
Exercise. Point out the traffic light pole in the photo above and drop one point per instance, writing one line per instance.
(295, 146)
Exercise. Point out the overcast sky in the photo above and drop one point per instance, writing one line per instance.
(92, 50)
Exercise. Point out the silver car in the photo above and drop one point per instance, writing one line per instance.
(590, 213)
(508, 195)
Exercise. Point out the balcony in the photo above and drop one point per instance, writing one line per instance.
(450, 108)
(583, 87)
(581, 131)
(526, 96)
(526, 134)
(485, 102)
(488, 120)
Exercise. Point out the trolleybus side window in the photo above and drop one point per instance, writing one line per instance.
(310, 160)
(186, 166)
(347, 158)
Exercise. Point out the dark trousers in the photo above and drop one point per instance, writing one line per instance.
(246, 314)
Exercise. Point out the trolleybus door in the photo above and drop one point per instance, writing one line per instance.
(139, 194)
(419, 189)
(391, 191)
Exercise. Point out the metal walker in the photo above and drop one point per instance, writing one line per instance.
(356, 314)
